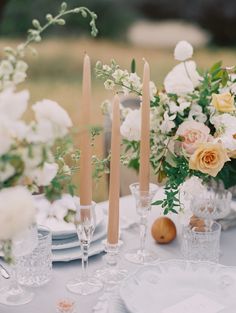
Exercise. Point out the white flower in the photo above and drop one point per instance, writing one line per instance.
(17, 211)
(135, 81)
(179, 107)
(42, 176)
(183, 51)
(131, 127)
(167, 123)
(19, 77)
(225, 125)
(6, 139)
(182, 79)
(109, 84)
(6, 68)
(13, 104)
(196, 113)
(106, 68)
(21, 66)
(153, 90)
(119, 75)
(6, 171)
(47, 111)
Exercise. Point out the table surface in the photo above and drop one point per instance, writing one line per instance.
(47, 296)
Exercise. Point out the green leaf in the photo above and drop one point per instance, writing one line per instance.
(133, 66)
(215, 67)
(158, 202)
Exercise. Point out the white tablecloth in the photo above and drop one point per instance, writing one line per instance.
(47, 296)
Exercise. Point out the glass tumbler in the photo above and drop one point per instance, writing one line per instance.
(201, 245)
(35, 269)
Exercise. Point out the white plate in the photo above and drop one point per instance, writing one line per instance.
(66, 243)
(71, 254)
(158, 287)
(61, 229)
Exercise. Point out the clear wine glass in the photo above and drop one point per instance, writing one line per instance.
(22, 244)
(85, 221)
(143, 200)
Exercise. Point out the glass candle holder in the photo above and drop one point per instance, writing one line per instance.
(111, 273)
(143, 200)
(201, 245)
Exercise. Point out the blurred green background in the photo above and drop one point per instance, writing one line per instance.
(127, 29)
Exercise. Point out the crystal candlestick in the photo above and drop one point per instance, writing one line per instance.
(143, 200)
(112, 274)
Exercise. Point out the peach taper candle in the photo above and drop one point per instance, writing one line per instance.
(114, 186)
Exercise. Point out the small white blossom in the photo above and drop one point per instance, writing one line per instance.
(6, 68)
(109, 84)
(119, 75)
(167, 124)
(21, 66)
(183, 51)
(106, 68)
(19, 77)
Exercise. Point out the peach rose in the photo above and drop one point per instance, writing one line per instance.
(209, 158)
(193, 134)
(223, 102)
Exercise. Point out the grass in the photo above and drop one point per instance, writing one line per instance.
(56, 73)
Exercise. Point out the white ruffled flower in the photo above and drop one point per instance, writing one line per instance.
(109, 84)
(225, 125)
(17, 211)
(47, 111)
(135, 81)
(167, 124)
(182, 79)
(13, 104)
(183, 51)
(43, 176)
(131, 127)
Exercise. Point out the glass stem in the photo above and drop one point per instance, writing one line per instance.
(85, 248)
(143, 233)
(15, 288)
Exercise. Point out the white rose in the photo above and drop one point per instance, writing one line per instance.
(17, 211)
(183, 51)
(50, 111)
(182, 79)
(13, 104)
(42, 176)
(131, 127)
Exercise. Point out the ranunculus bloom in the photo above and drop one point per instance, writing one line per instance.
(209, 158)
(183, 51)
(131, 127)
(223, 102)
(193, 134)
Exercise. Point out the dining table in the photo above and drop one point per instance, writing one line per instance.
(47, 296)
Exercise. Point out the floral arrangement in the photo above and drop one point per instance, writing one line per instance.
(35, 156)
(193, 123)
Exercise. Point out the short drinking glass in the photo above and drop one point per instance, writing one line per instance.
(35, 269)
